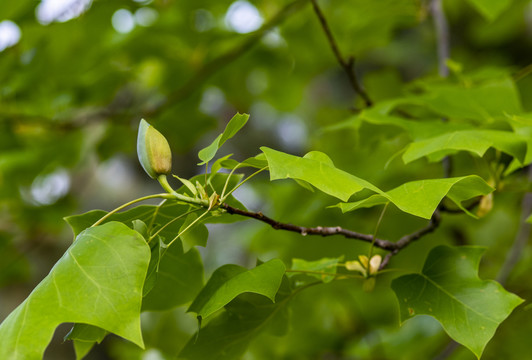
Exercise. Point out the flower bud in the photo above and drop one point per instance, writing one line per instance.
(153, 151)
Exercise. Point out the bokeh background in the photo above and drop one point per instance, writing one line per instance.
(76, 76)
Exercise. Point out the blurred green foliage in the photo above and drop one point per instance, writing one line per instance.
(72, 94)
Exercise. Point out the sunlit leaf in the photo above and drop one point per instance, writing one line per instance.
(422, 197)
(319, 173)
(98, 282)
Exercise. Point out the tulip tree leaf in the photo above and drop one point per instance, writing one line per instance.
(422, 197)
(229, 281)
(179, 278)
(490, 9)
(448, 288)
(98, 281)
(84, 337)
(483, 101)
(234, 125)
(475, 141)
(316, 170)
(322, 269)
(240, 322)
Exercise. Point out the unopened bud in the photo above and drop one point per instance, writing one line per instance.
(153, 151)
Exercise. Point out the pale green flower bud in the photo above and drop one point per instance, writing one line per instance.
(153, 151)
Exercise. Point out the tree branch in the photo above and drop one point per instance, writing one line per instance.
(442, 36)
(348, 65)
(393, 247)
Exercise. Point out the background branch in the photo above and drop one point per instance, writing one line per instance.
(443, 37)
(347, 65)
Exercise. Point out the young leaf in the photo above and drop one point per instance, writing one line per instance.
(317, 171)
(448, 288)
(422, 197)
(234, 125)
(228, 281)
(475, 141)
(98, 282)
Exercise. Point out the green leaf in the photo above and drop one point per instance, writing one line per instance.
(317, 171)
(490, 9)
(326, 266)
(197, 235)
(422, 197)
(85, 337)
(98, 282)
(484, 101)
(448, 288)
(475, 141)
(234, 125)
(228, 281)
(227, 335)
(158, 248)
(179, 278)
(257, 162)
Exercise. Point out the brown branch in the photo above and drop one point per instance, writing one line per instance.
(347, 65)
(393, 247)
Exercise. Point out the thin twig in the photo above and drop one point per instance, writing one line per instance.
(347, 65)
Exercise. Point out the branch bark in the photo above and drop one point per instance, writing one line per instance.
(393, 247)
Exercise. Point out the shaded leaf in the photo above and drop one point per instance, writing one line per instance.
(240, 322)
(422, 197)
(98, 281)
(482, 101)
(448, 288)
(84, 337)
(179, 278)
(196, 235)
(229, 281)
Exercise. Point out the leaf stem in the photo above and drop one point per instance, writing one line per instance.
(227, 181)
(155, 196)
(175, 195)
(171, 221)
(188, 227)
(377, 229)
(222, 199)
(154, 216)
